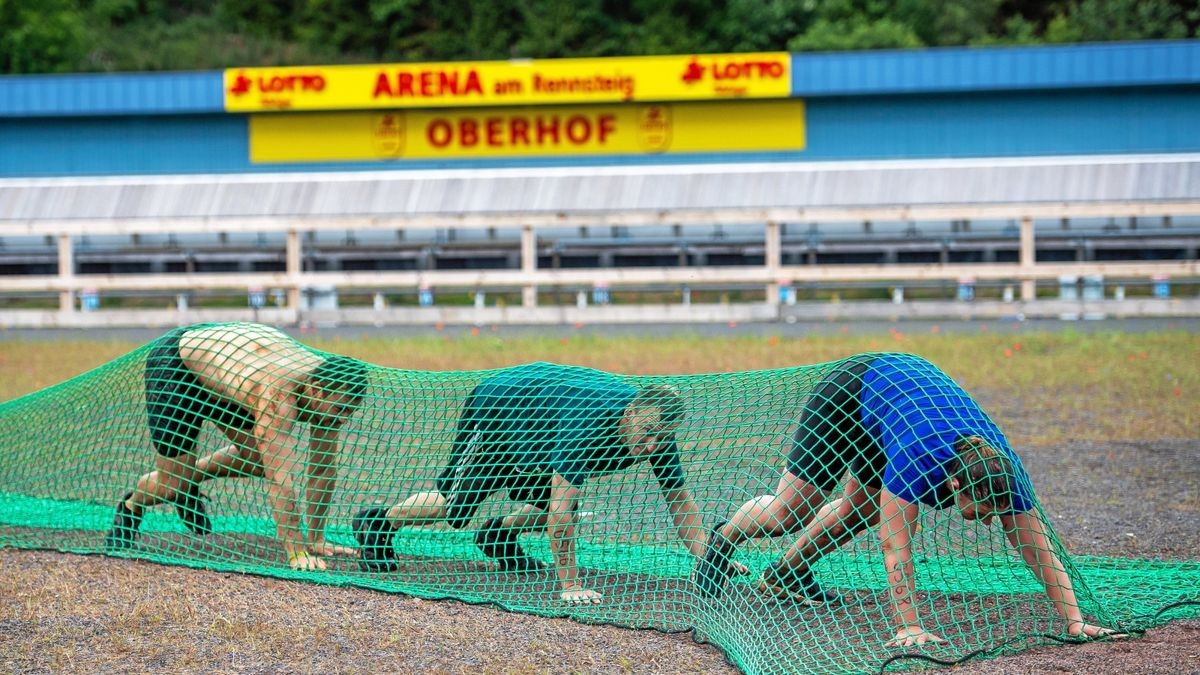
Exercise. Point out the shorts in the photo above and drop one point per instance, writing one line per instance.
(482, 462)
(177, 404)
(831, 438)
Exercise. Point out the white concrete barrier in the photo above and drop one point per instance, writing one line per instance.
(616, 314)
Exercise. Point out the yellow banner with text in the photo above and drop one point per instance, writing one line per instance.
(748, 126)
(492, 83)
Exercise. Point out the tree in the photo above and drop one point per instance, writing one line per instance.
(563, 28)
(947, 23)
(349, 27)
(858, 24)
(670, 27)
(40, 36)
(263, 18)
(764, 25)
(449, 30)
(1107, 20)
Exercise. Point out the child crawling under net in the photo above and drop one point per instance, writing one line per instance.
(538, 432)
(254, 383)
(901, 433)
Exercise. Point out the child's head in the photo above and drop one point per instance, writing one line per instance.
(982, 478)
(652, 416)
(334, 389)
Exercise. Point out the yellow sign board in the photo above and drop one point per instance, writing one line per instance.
(493, 83)
(748, 126)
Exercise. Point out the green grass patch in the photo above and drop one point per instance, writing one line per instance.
(1096, 386)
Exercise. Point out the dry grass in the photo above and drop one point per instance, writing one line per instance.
(1103, 386)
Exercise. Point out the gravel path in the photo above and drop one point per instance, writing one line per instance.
(66, 613)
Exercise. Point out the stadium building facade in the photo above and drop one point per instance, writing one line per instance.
(1066, 114)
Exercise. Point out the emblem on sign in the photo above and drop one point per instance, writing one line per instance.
(654, 128)
(387, 134)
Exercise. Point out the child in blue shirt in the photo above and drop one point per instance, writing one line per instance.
(906, 434)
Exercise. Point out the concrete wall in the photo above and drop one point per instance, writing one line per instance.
(621, 314)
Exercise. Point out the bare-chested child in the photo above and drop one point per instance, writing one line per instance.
(254, 383)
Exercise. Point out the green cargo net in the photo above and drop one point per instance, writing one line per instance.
(681, 503)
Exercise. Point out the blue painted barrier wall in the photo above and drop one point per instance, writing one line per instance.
(1003, 102)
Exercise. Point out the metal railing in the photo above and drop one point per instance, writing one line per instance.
(772, 275)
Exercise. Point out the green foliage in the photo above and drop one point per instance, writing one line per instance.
(116, 12)
(764, 25)
(1017, 30)
(858, 24)
(198, 42)
(675, 27)
(950, 22)
(263, 18)
(107, 35)
(39, 36)
(345, 26)
(855, 34)
(1101, 20)
(454, 30)
(563, 28)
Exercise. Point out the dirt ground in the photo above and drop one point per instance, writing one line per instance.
(63, 613)
(69, 613)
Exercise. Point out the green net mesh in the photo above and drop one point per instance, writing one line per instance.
(233, 447)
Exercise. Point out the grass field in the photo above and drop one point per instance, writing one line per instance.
(1100, 386)
(1107, 399)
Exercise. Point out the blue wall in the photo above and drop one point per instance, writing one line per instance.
(1116, 98)
(73, 146)
(910, 71)
(1005, 124)
(1108, 121)
(111, 94)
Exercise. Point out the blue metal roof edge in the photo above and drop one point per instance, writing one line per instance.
(1118, 64)
(90, 94)
(1122, 64)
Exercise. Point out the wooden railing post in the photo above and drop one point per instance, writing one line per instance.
(773, 259)
(66, 272)
(1028, 258)
(293, 270)
(528, 264)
